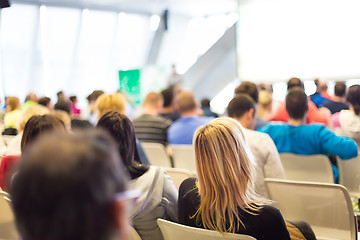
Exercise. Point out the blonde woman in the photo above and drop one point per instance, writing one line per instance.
(222, 198)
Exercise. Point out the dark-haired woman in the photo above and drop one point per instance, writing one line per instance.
(159, 195)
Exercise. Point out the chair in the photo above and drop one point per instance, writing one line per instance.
(326, 207)
(134, 234)
(184, 156)
(156, 154)
(312, 168)
(178, 175)
(174, 231)
(349, 175)
(7, 225)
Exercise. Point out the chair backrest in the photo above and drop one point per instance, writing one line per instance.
(7, 224)
(349, 175)
(174, 231)
(326, 207)
(312, 168)
(156, 154)
(134, 234)
(178, 175)
(184, 156)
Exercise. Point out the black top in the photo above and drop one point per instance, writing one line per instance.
(266, 224)
(335, 107)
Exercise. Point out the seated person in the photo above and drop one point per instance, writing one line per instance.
(347, 122)
(268, 164)
(150, 127)
(182, 130)
(12, 116)
(316, 115)
(338, 101)
(298, 138)
(36, 126)
(222, 198)
(159, 195)
(71, 186)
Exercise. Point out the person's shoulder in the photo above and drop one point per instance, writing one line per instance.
(187, 186)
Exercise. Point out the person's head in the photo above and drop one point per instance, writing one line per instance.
(353, 98)
(168, 95)
(61, 96)
(39, 125)
(122, 130)
(296, 103)
(242, 108)
(12, 103)
(31, 111)
(153, 102)
(186, 102)
(114, 102)
(225, 171)
(80, 124)
(46, 102)
(248, 88)
(94, 95)
(73, 99)
(62, 105)
(265, 99)
(340, 89)
(205, 103)
(69, 186)
(31, 97)
(294, 82)
(64, 117)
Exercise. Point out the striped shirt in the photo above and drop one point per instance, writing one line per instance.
(150, 128)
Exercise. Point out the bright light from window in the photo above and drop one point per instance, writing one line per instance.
(154, 22)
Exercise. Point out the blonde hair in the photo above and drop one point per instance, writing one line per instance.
(12, 103)
(264, 108)
(225, 170)
(31, 111)
(64, 117)
(114, 102)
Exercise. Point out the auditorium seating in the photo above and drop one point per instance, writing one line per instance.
(175, 231)
(184, 156)
(349, 175)
(326, 207)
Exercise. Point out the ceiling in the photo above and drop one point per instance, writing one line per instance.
(191, 8)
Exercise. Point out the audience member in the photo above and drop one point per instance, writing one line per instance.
(251, 89)
(150, 127)
(298, 138)
(205, 107)
(222, 198)
(71, 186)
(30, 100)
(63, 106)
(12, 116)
(347, 122)
(89, 112)
(169, 110)
(64, 117)
(320, 96)
(159, 195)
(314, 115)
(36, 126)
(182, 130)
(268, 164)
(80, 124)
(15, 143)
(338, 101)
(74, 110)
(264, 109)
(46, 102)
(114, 102)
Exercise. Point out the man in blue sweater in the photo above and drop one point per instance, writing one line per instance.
(298, 138)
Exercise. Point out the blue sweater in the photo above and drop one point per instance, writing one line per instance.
(310, 140)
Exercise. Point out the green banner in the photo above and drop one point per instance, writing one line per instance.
(130, 84)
